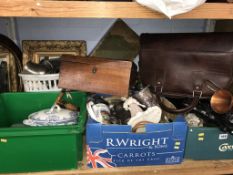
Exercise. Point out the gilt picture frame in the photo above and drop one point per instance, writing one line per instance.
(36, 50)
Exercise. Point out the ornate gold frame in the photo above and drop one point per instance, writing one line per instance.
(33, 49)
(11, 68)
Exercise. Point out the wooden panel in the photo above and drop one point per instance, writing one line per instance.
(93, 9)
(187, 168)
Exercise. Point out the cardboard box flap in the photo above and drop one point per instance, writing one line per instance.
(159, 127)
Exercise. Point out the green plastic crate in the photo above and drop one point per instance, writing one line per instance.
(30, 149)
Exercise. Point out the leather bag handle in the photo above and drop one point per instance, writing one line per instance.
(196, 96)
(178, 111)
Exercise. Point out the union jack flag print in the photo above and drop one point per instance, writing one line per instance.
(100, 158)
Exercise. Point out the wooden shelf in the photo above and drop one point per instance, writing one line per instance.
(93, 9)
(188, 167)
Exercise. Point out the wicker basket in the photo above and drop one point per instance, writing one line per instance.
(40, 83)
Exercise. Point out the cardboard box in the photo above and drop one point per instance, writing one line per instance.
(208, 143)
(116, 145)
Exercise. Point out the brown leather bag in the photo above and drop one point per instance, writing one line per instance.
(99, 75)
(186, 65)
